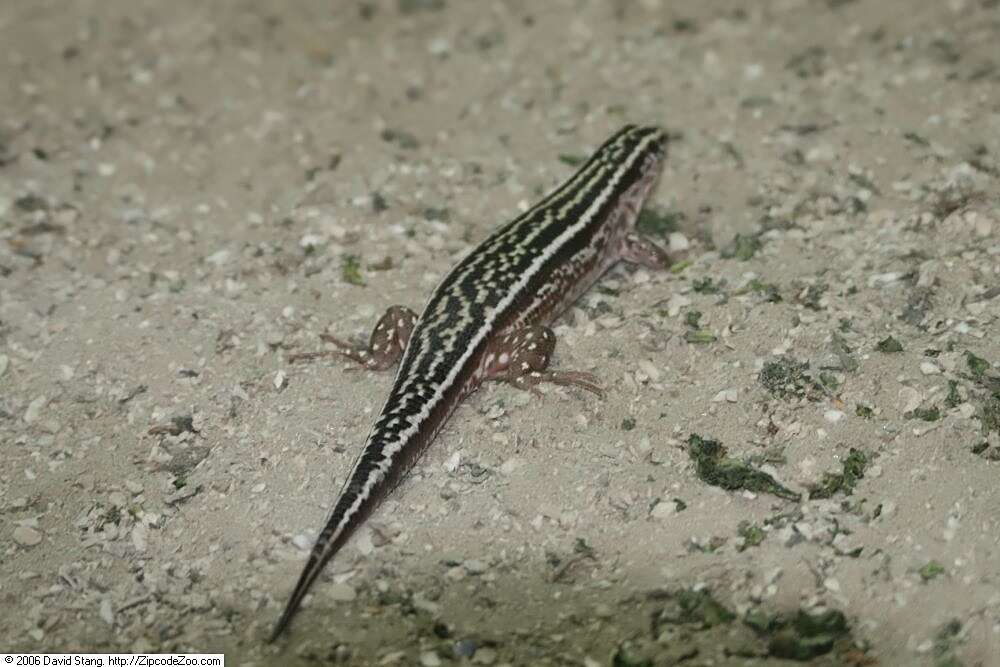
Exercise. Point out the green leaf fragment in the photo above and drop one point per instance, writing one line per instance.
(751, 533)
(572, 160)
(953, 399)
(931, 570)
(627, 656)
(944, 643)
(829, 381)
(853, 470)
(742, 247)
(949, 661)
(678, 267)
(757, 620)
(716, 469)
(989, 415)
(437, 214)
(808, 636)
(401, 138)
(350, 270)
(767, 290)
(705, 286)
(685, 25)
(931, 414)
(864, 411)
(691, 607)
(889, 345)
(699, 336)
(785, 377)
(977, 365)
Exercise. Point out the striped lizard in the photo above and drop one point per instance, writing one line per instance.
(487, 320)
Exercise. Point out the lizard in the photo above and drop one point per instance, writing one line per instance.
(488, 320)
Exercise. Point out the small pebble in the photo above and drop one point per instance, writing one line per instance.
(726, 395)
(485, 656)
(182, 494)
(312, 241)
(909, 399)
(664, 510)
(439, 46)
(473, 566)
(393, 658)
(833, 416)
(511, 464)
(928, 368)
(107, 614)
(464, 648)
(27, 537)
(602, 610)
(218, 258)
(421, 603)
(678, 242)
(341, 592)
(676, 303)
(966, 410)
(430, 659)
(363, 541)
(139, 537)
(4, 362)
(650, 369)
(279, 379)
(880, 279)
(821, 153)
(34, 410)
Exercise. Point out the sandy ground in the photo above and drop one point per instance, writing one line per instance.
(191, 192)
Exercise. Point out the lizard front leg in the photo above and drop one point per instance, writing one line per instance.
(522, 358)
(385, 346)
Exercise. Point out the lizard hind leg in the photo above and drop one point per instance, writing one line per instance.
(643, 252)
(385, 345)
(522, 358)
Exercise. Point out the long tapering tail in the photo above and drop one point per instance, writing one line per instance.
(361, 495)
